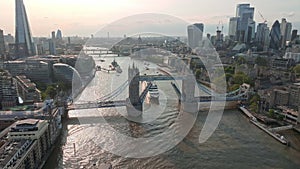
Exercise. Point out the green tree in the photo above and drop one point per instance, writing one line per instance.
(229, 70)
(233, 87)
(254, 107)
(296, 69)
(198, 73)
(240, 78)
(271, 113)
(254, 103)
(51, 91)
(241, 60)
(261, 61)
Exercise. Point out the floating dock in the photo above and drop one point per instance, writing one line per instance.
(257, 124)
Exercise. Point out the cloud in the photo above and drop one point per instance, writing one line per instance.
(216, 19)
(288, 14)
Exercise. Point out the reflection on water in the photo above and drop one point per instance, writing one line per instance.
(235, 144)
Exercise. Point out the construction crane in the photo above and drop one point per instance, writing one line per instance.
(219, 26)
(265, 21)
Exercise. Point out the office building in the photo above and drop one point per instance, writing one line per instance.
(9, 39)
(233, 24)
(283, 64)
(195, 34)
(294, 100)
(279, 98)
(241, 9)
(275, 36)
(59, 35)
(262, 36)
(36, 133)
(246, 24)
(20, 154)
(294, 34)
(8, 94)
(285, 29)
(52, 44)
(24, 46)
(2, 45)
(288, 33)
(65, 73)
(35, 70)
(27, 90)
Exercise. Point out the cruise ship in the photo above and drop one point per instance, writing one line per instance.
(153, 92)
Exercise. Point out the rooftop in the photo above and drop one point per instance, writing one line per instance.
(11, 151)
(297, 84)
(27, 122)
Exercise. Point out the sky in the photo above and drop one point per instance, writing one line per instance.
(86, 17)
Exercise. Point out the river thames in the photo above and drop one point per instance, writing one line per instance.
(236, 143)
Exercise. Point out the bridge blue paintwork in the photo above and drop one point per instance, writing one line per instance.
(150, 78)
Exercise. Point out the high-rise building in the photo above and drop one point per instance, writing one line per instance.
(294, 34)
(275, 36)
(2, 44)
(286, 29)
(288, 32)
(233, 24)
(195, 34)
(8, 94)
(52, 44)
(262, 36)
(244, 8)
(59, 35)
(246, 24)
(24, 46)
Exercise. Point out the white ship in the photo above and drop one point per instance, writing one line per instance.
(153, 92)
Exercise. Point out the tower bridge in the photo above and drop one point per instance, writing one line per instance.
(186, 96)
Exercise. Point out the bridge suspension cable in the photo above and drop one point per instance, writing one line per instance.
(114, 93)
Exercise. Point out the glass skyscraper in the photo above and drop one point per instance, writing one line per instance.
(24, 46)
(275, 36)
(195, 34)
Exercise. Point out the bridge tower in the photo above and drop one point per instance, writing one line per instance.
(189, 103)
(134, 106)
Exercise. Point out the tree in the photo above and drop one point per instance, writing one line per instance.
(261, 61)
(254, 103)
(229, 70)
(51, 91)
(240, 78)
(296, 69)
(241, 60)
(198, 73)
(271, 113)
(254, 107)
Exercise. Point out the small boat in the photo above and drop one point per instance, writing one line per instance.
(114, 63)
(118, 69)
(116, 66)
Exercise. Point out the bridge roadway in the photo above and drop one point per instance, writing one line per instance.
(150, 78)
(119, 103)
(95, 105)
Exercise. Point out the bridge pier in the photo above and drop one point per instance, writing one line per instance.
(134, 105)
(189, 103)
(134, 109)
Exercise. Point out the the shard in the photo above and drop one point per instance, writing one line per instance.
(24, 46)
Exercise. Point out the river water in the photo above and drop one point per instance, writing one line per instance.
(236, 143)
